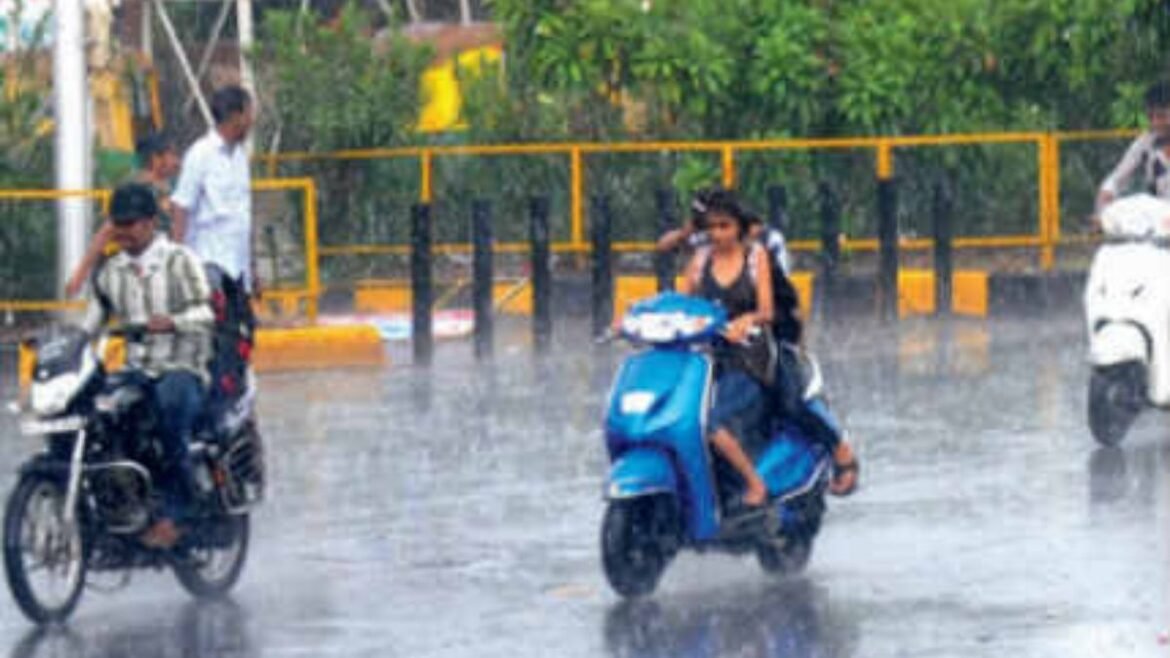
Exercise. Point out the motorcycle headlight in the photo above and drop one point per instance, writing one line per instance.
(54, 395)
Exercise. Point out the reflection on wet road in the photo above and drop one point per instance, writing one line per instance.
(455, 512)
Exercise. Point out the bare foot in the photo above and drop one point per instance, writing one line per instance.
(163, 534)
(756, 494)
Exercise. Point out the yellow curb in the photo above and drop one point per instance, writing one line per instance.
(278, 350)
(916, 293)
(312, 348)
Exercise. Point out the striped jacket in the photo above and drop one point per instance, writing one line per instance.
(166, 279)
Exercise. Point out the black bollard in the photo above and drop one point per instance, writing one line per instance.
(830, 248)
(602, 291)
(421, 285)
(778, 208)
(273, 254)
(664, 261)
(944, 265)
(481, 275)
(887, 290)
(541, 274)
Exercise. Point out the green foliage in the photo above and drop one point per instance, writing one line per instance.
(336, 90)
(27, 229)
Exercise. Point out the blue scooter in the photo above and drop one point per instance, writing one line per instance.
(666, 490)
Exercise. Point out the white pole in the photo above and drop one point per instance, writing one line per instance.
(148, 31)
(72, 133)
(247, 38)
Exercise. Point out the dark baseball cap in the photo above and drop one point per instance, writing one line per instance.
(132, 202)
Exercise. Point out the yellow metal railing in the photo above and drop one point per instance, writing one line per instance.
(1046, 237)
(309, 291)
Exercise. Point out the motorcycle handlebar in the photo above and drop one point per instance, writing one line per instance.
(130, 332)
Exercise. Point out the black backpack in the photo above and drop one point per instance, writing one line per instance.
(786, 325)
(233, 335)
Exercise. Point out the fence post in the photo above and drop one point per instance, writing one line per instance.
(778, 208)
(944, 267)
(830, 247)
(664, 261)
(602, 223)
(541, 274)
(481, 268)
(887, 200)
(422, 291)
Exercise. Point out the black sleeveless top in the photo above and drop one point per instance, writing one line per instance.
(736, 298)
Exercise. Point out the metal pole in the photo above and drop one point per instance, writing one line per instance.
(247, 38)
(830, 247)
(887, 199)
(944, 266)
(72, 134)
(778, 208)
(148, 31)
(185, 65)
(541, 274)
(481, 267)
(664, 262)
(209, 49)
(422, 292)
(602, 291)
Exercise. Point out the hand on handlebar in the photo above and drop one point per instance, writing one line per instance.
(160, 324)
(740, 330)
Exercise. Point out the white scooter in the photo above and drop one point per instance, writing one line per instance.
(1127, 309)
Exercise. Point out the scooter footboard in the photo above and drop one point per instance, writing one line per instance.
(640, 472)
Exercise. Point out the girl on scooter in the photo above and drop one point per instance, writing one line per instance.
(722, 272)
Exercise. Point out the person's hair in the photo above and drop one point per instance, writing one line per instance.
(227, 101)
(699, 203)
(150, 146)
(1158, 95)
(724, 201)
(132, 202)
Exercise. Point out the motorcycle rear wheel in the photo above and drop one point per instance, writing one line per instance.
(39, 546)
(210, 571)
(1116, 397)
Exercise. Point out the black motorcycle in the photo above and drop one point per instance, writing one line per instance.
(81, 505)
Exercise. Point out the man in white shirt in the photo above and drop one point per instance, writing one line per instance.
(212, 204)
(1150, 152)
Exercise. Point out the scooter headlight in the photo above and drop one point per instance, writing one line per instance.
(636, 402)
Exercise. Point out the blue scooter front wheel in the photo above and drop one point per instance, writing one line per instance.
(635, 543)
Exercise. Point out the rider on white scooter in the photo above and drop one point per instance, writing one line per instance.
(1150, 152)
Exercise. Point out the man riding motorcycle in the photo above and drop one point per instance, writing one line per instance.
(161, 285)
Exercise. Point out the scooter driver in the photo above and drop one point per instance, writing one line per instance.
(785, 393)
(744, 363)
(161, 285)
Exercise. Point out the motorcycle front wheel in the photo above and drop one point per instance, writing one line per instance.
(44, 557)
(211, 568)
(631, 550)
(1116, 397)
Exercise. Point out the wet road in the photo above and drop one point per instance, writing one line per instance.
(455, 513)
